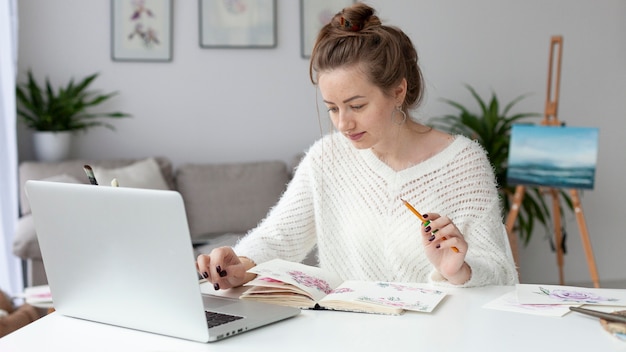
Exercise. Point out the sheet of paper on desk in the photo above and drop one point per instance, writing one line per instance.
(508, 302)
(557, 294)
(407, 296)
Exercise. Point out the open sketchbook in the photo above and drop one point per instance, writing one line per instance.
(303, 286)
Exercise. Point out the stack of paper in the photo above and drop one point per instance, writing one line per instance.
(38, 296)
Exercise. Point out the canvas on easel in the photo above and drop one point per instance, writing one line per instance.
(551, 121)
(553, 156)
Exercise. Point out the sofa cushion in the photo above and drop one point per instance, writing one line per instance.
(35, 170)
(229, 198)
(142, 174)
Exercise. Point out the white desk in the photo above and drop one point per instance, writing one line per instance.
(458, 324)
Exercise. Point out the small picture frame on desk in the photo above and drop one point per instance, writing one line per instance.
(237, 24)
(141, 30)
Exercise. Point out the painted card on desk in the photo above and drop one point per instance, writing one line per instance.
(557, 294)
(407, 296)
(508, 302)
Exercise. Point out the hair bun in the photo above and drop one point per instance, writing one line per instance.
(356, 18)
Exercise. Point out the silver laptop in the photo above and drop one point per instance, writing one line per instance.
(123, 256)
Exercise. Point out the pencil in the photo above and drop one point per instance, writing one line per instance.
(602, 315)
(417, 213)
(90, 175)
(424, 221)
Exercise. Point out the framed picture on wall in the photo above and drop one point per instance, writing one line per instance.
(237, 24)
(314, 14)
(141, 30)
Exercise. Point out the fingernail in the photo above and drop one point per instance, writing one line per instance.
(425, 216)
(220, 272)
(437, 246)
(426, 223)
(435, 231)
(427, 229)
(432, 238)
(216, 286)
(205, 275)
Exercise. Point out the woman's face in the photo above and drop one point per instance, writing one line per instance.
(357, 108)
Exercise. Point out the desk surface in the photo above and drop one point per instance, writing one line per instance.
(460, 323)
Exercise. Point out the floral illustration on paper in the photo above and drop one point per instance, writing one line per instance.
(310, 281)
(572, 295)
(142, 29)
(343, 290)
(396, 302)
(401, 287)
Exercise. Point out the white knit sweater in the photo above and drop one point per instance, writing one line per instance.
(347, 202)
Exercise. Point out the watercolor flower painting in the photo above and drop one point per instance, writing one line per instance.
(310, 281)
(573, 295)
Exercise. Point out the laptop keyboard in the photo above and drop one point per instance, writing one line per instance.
(216, 319)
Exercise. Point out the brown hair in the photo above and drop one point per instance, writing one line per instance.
(356, 36)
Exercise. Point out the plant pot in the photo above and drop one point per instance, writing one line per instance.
(52, 146)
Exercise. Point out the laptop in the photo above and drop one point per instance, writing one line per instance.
(124, 257)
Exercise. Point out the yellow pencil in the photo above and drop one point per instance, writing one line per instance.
(424, 221)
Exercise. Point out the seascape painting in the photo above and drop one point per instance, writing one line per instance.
(553, 156)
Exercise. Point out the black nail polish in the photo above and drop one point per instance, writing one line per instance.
(222, 273)
(216, 286)
(432, 238)
(205, 275)
(437, 246)
(218, 268)
(425, 216)
(427, 229)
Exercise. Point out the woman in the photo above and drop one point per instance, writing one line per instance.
(346, 194)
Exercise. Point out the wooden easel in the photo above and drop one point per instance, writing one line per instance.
(550, 119)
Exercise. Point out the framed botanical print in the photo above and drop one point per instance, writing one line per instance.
(141, 30)
(237, 23)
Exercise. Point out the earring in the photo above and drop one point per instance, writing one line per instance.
(398, 109)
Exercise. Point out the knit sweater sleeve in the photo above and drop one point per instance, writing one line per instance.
(288, 231)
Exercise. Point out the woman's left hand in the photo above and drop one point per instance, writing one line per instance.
(446, 248)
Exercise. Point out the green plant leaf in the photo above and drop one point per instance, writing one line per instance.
(491, 127)
(43, 108)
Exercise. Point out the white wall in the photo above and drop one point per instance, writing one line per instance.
(218, 105)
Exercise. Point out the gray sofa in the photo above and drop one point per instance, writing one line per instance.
(222, 201)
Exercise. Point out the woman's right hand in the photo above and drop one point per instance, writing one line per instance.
(224, 269)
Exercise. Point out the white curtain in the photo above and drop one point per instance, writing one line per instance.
(10, 265)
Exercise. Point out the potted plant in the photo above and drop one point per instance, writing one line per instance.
(492, 129)
(55, 114)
